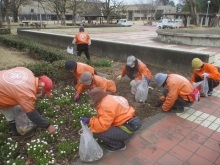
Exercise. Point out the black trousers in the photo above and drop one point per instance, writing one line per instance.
(212, 83)
(113, 137)
(179, 103)
(83, 48)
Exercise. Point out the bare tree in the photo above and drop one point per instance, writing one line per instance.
(75, 6)
(14, 5)
(59, 7)
(110, 6)
(5, 4)
(193, 11)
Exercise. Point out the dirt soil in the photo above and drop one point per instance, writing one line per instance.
(13, 57)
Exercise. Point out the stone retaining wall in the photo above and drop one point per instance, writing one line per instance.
(170, 37)
(160, 57)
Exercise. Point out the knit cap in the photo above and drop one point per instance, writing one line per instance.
(86, 78)
(196, 63)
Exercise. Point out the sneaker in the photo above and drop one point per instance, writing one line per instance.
(110, 149)
(210, 93)
(177, 110)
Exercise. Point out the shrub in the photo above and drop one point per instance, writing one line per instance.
(36, 50)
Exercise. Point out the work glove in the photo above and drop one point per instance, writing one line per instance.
(85, 120)
(132, 83)
(119, 77)
(76, 97)
(148, 80)
(205, 75)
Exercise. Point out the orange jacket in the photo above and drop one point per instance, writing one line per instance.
(81, 67)
(18, 86)
(112, 111)
(207, 68)
(177, 86)
(82, 38)
(142, 70)
(103, 83)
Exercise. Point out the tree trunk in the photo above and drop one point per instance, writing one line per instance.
(193, 12)
(15, 15)
(63, 19)
(7, 19)
(108, 18)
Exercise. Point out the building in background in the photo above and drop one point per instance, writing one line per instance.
(36, 11)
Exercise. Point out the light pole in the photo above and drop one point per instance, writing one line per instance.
(207, 13)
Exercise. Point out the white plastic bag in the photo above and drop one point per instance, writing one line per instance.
(202, 86)
(70, 50)
(23, 123)
(134, 87)
(89, 149)
(142, 91)
(205, 87)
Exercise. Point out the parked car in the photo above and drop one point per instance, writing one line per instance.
(124, 22)
(170, 23)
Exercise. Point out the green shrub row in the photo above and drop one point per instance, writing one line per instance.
(36, 50)
(52, 60)
(5, 31)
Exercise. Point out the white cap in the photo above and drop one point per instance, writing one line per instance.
(130, 60)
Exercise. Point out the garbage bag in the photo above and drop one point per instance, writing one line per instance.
(89, 149)
(202, 86)
(142, 91)
(70, 50)
(134, 87)
(23, 123)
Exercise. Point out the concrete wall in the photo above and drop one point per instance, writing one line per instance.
(189, 38)
(160, 57)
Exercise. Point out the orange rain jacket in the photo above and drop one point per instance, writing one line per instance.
(142, 70)
(112, 111)
(207, 68)
(177, 86)
(18, 86)
(82, 38)
(103, 83)
(81, 67)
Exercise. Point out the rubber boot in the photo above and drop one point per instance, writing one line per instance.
(14, 133)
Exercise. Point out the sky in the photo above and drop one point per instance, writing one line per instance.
(135, 1)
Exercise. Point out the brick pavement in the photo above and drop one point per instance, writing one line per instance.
(188, 138)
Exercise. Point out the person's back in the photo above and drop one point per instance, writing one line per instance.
(17, 85)
(113, 117)
(82, 38)
(90, 81)
(83, 41)
(177, 92)
(81, 67)
(105, 84)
